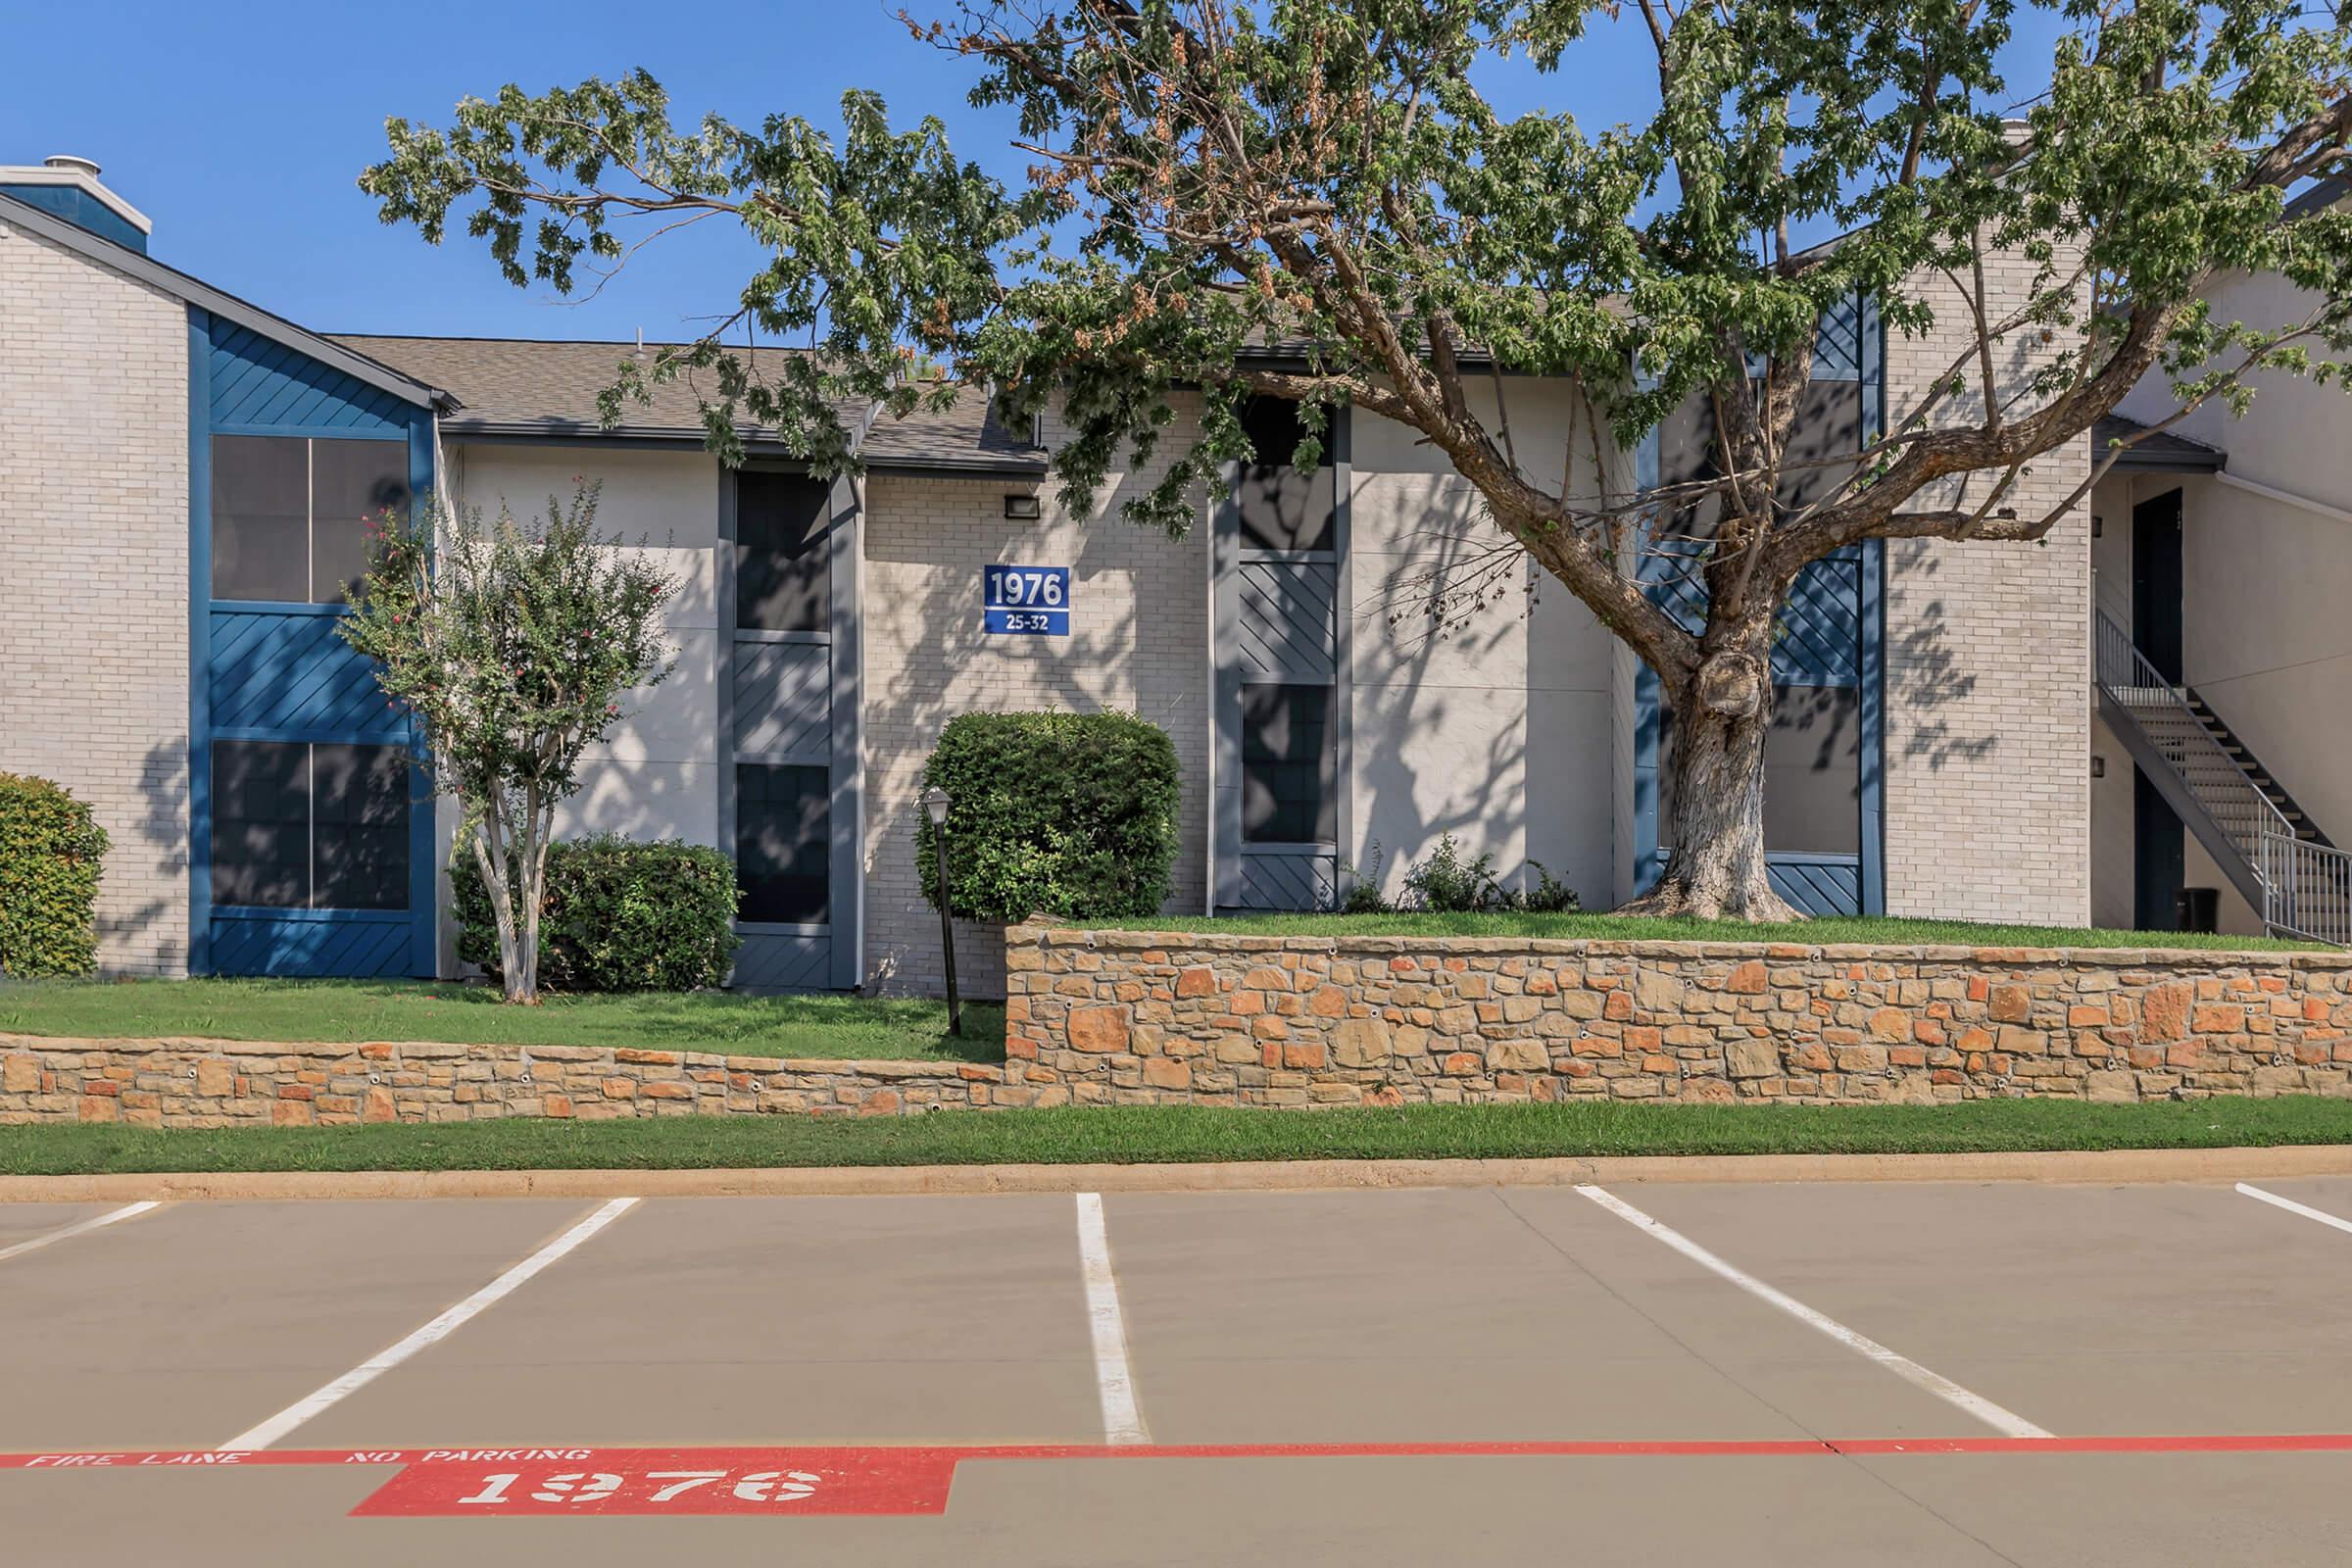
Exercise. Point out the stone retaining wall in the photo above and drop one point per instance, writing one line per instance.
(1124, 1017)
(1389, 1020)
(231, 1083)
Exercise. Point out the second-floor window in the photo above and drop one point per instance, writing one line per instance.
(782, 570)
(290, 514)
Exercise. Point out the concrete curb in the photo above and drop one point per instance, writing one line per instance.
(1268, 1176)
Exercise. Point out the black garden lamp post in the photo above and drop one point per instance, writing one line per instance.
(935, 806)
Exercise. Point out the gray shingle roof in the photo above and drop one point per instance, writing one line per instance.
(526, 387)
(2161, 451)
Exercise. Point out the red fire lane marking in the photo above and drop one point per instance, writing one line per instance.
(671, 1481)
(537, 1483)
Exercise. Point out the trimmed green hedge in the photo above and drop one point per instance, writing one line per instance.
(621, 916)
(1066, 815)
(50, 851)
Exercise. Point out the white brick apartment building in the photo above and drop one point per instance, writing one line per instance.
(178, 506)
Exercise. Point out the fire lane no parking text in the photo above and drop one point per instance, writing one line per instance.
(882, 1481)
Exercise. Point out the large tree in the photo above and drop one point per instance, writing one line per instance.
(1208, 178)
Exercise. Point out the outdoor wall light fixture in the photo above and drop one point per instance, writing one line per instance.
(1023, 509)
(935, 806)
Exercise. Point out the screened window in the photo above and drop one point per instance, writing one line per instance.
(1812, 772)
(1822, 443)
(783, 848)
(1828, 428)
(261, 518)
(1289, 765)
(298, 826)
(353, 484)
(1282, 507)
(782, 566)
(290, 514)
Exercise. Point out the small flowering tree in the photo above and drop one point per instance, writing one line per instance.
(512, 646)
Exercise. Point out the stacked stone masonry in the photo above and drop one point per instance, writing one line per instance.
(1388, 1020)
(236, 1083)
(1139, 1018)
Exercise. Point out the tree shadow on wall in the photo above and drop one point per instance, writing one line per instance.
(160, 857)
(1922, 676)
(1445, 646)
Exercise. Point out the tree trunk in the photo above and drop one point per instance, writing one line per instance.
(519, 963)
(1715, 867)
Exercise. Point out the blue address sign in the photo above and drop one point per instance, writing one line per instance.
(1025, 600)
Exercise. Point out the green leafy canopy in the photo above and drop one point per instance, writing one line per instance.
(1312, 199)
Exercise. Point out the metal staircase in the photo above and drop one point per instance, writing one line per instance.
(2274, 855)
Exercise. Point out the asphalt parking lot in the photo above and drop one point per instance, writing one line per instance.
(1821, 1374)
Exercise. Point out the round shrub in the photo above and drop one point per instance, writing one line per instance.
(620, 916)
(1064, 814)
(50, 849)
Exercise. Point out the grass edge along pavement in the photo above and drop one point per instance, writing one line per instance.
(1823, 931)
(1188, 1134)
(355, 1011)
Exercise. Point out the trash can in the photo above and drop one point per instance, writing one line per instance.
(2197, 910)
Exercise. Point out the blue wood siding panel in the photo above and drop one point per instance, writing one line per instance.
(258, 383)
(357, 945)
(1287, 879)
(273, 671)
(82, 210)
(784, 699)
(772, 960)
(1286, 621)
(280, 672)
(1817, 884)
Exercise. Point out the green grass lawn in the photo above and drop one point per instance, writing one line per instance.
(1619, 928)
(831, 1026)
(1187, 1134)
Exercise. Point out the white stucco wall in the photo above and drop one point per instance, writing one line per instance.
(1497, 730)
(2266, 634)
(2266, 638)
(94, 567)
(659, 776)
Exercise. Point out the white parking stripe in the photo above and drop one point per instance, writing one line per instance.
(439, 1329)
(1123, 1422)
(83, 1228)
(2273, 1199)
(2006, 1422)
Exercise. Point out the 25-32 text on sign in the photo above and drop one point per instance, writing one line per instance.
(1025, 600)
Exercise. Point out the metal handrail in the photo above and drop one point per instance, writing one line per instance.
(2306, 887)
(2240, 809)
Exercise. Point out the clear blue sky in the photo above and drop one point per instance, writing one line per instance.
(240, 126)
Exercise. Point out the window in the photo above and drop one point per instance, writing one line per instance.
(1289, 765)
(782, 556)
(783, 846)
(1828, 428)
(352, 484)
(1812, 772)
(298, 826)
(1282, 507)
(261, 518)
(290, 514)
(358, 827)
